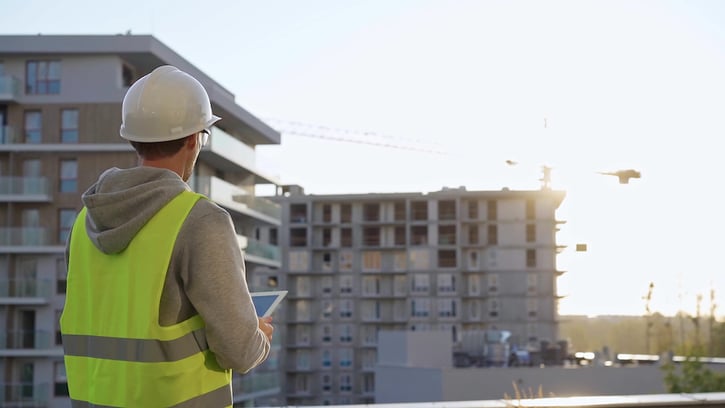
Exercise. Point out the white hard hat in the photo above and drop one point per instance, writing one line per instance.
(167, 104)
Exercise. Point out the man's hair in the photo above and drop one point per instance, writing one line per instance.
(158, 150)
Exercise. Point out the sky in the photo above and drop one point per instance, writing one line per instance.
(441, 93)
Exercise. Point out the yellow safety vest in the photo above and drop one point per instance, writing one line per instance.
(116, 353)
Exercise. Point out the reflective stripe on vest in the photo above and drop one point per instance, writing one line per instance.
(116, 353)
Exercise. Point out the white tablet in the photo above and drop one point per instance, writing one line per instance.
(266, 302)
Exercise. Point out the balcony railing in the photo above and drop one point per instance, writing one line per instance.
(23, 185)
(24, 288)
(8, 135)
(9, 88)
(263, 250)
(24, 236)
(25, 339)
(256, 383)
(261, 205)
(24, 395)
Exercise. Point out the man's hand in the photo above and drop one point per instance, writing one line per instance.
(265, 325)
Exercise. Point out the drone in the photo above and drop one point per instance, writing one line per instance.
(623, 175)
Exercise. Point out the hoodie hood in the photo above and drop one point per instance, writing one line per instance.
(122, 200)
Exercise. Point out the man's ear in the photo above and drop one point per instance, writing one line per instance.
(191, 141)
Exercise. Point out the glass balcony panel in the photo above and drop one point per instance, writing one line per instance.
(24, 236)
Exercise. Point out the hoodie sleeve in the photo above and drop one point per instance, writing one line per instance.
(212, 274)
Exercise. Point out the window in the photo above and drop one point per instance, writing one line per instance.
(326, 333)
(66, 218)
(446, 283)
(370, 285)
(473, 210)
(298, 213)
(399, 211)
(60, 388)
(447, 307)
(326, 285)
(371, 212)
(326, 237)
(346, 308)
(346, 237)
(326, 358)
(345, 382)
(473, 285)
(531, 258)
(420, 307)
(326, 213)
(420, 283)
(400, 283)
(346, 333)
(326, 383)
(326, 262)
(273, 236)
(531, 307)
(473, 234)
(419, 235)
(345, 213)
(447, 210)
(301, 384)
(303, 360)
(69, 126)
(326, 309)
(33, 126)
(372, 261)
(61, 276)
(492, 283)
(303, 334)
(298, 237)
(530, 232)
(371, 236)
(493, 308)
(419, 210)
(42, 77)
(492, 235)
(68, 176)
(473, 260)
(399, 236)
(446, 235)
(447, 258)
(491, 213)
(345, 357)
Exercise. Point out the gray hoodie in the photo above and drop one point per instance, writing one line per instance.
(206, 272)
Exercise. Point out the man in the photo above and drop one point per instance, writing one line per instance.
(158, 312)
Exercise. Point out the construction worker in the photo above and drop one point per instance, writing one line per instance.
(158, 312)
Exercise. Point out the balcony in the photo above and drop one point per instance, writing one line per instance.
(261, 205)
(229, 154)
(255, 385)
(9, 88)
(224, 193)
(24, 395)
(24, 291)
(24, 189)
(28, 240)
(28, 343)
(261, 253)
(8, 135)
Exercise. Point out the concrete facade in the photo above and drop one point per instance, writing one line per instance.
(60, 111)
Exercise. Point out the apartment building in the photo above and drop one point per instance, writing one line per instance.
(60, 111)
(454, 260)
